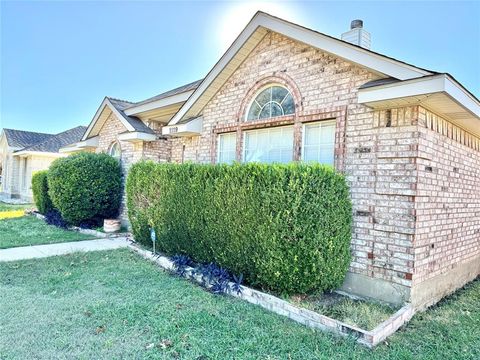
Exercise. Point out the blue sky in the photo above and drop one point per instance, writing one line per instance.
(59, 59)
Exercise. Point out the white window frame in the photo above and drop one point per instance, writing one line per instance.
(117, 143)
(304, 131)
(254, 98)
(234, 133)
(244, 140)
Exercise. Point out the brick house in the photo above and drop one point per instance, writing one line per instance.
(22, 153)
(408, 140)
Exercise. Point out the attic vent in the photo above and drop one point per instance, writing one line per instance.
(357, 35)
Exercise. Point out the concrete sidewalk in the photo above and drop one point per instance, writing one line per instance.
(41, 251)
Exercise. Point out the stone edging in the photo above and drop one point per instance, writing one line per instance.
(92, 232)
(298, 314)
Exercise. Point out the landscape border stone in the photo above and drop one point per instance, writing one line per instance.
(92, 232)
(301, 315)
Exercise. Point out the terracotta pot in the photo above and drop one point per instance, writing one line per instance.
(111, 225)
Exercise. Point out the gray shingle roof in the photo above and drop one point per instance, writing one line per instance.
(179, 90)
(136, 123)
(379, 82)
(55, 142)
(21, 138)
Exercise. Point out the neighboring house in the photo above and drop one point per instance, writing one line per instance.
(22, 153)
(407, 138)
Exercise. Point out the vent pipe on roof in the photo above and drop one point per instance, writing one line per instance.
(357, 35)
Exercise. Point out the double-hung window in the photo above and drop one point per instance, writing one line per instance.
(226, 148)
(319, 142)
(269, 145)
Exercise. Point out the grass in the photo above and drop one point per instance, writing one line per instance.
(112, 305)
(9, 207)
(364, 314)
(28, 230)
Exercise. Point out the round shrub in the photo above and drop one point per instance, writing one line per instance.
(86, 187)
(286, 228)
(40, 192)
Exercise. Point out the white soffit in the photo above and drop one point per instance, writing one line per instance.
(440, 93)
(26, 153)
(171, 100)
(136, 136)
(190, 128)
(255, 31)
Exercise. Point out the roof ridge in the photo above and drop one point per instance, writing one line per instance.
(112, 98)
(27, 131)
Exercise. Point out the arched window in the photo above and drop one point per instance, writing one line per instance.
(275, 100)
(115, 150)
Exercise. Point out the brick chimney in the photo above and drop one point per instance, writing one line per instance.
(357, 35)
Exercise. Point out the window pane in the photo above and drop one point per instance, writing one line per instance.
(254, 111)
(265, 113)
(319, 142)
(288, 105)
(264, 97)
(278, 93)
(276, 110)
(227, 148)
(269, 145)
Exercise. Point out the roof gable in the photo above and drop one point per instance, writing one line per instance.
(116, 106)
(257, 29)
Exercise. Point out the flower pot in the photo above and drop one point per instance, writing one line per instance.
(111, 225)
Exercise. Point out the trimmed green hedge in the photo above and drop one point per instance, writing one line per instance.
(86, 188)
(40, 192)
(286, 228)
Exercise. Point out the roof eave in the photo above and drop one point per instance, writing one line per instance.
(420, 92)
(157, 104)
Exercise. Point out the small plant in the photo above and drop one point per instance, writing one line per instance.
(180, 263)
(213, 277)
(237, 284)
(53, 217)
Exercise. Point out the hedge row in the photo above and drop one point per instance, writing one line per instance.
(40, 192)
(286, 228)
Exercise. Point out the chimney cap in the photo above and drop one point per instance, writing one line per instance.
(356, 24)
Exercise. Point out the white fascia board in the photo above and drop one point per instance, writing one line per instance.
(422, 86)
(191, 128)
(69, 149)
(355, 54)
(90, 142)
(156, 104)
(26, 153)
(106, 102)
(135, 136)
(457, 92)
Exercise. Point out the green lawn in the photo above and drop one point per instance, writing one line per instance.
(8, 207)
(115, 305)
(28, 230)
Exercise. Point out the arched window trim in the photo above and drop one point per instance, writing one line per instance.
(112, 146)
(258, 92)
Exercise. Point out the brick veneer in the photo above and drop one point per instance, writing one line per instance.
(379, 151)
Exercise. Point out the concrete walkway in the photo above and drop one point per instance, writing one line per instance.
(41, 251)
